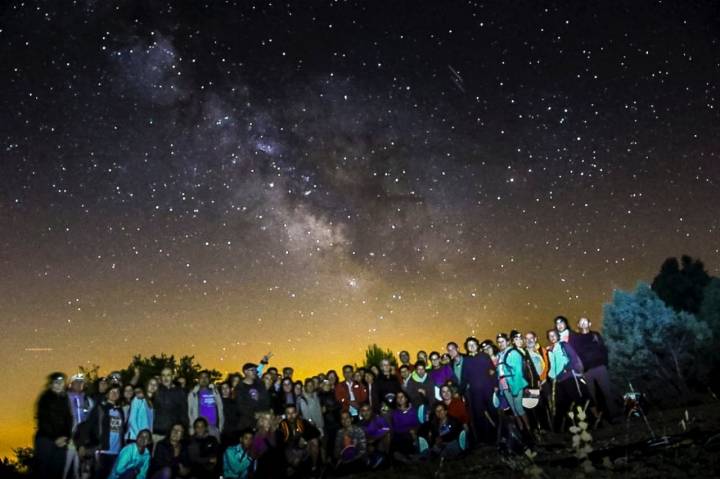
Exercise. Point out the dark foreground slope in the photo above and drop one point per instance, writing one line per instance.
(672, 443)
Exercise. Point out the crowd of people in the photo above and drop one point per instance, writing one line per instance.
(265, 423)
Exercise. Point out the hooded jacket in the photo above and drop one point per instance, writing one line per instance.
(193, 401)
(140, 417)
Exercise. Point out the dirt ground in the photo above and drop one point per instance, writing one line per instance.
(671, 443)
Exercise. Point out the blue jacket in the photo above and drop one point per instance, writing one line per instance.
(237, 463)
(130, 459)
(140, 417)
(511, 368)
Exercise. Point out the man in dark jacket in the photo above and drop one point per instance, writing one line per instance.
(250, 398)
(54, 428)
(387, 384)
(170, 406)
(203, 451)
(593, 353)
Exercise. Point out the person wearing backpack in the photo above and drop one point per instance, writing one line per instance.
(512, 378)
(568, 386)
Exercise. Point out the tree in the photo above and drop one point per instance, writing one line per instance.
(19, 467)
(710, 308)
(682, 288)
(652, 346)
(710, 315)
(149, 367)
(374, 354)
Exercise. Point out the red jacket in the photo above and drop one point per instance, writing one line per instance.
(342, 394)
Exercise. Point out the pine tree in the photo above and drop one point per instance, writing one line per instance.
(652, 346)
(374, 354)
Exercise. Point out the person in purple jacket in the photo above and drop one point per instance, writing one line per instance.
(405, 424)
(378, 433)
(478, 382)
(440, 374)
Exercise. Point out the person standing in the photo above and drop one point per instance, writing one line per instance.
(593, 353)
(106, 422)
(567, 386)
(309, 405)
(440, 374)
(510, 368)
(563, 328)
(419, 389)
(54, 429)
(205, 401)
(478, 382)
(387, 384)
(170, 406)
(251, 397)
(456, 359)
(350, 393)
(142, 413)
(80, 403)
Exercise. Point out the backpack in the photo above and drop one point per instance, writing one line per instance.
(531, 375)
(576, 364)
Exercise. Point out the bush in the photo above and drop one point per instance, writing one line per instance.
(654, 347)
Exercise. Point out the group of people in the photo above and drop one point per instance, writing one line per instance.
(265, 423)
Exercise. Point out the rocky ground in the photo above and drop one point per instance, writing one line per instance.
(671, 443)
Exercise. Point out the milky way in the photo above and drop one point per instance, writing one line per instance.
(228, 178)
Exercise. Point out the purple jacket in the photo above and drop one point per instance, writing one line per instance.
(376, 427)
(442, 375)
(477, 374)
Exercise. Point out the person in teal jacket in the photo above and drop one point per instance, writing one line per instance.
(141, 411)
(237, 461)
(511, 378)
(134, 459)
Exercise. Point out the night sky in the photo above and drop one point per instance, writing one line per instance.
(226, 178)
